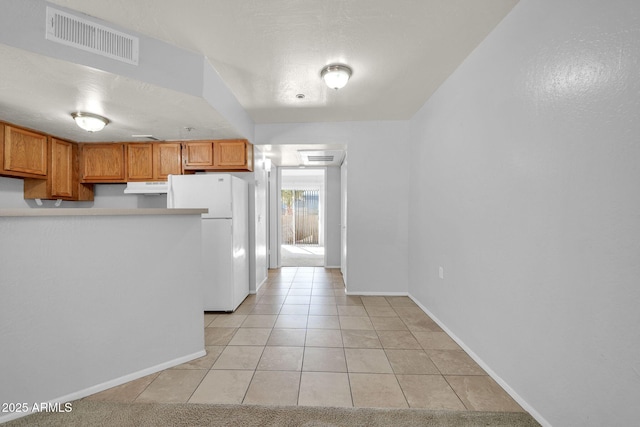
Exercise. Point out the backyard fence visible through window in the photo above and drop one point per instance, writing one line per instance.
(300, 221)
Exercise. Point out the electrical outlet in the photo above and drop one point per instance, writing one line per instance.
(441, 272)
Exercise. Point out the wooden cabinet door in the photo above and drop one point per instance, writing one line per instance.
(63, 181)
(167, 160)
(198, 154)
(24, 153)
(231, 153)
(61, 169)
(103, 162)
(220, 155)
(153, 161)
(140, 161)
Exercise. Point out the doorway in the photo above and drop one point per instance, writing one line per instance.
(302, 217)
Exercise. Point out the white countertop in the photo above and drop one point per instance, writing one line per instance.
(96, 212)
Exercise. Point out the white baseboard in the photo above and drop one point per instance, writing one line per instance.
(331, 266)
(377, 294)
(260, 285)
(486, 367)
(111, 383)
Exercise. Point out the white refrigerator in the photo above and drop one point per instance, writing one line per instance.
(225, 233)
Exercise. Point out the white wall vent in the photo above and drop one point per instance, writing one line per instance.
(321, 157)
(70, 30)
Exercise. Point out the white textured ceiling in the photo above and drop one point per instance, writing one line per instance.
(40, 92)
(266, 52)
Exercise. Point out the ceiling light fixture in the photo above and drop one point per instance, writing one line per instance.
(336, 76)
(90, 122)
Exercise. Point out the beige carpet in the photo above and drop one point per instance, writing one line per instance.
(91, 413)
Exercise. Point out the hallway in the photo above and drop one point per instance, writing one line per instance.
(302, 341)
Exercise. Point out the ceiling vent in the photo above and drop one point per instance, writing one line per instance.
(321, 158)
(82, 34)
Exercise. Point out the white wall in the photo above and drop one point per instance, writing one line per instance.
(378, 196)
(524, 187)
(343, 217)
(332, 218)
(260, 220)
(12, 193)
(274, 218)
(90, 302)
(105, 196)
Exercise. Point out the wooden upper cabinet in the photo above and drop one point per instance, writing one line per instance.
(197, 154)
(220, 155)
(139, 161)
(153, 161)
(61, 168)
(103, 162)
(231, 153)
(167, 160)
(62, 181)
(23, 153)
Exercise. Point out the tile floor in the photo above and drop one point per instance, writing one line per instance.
(302, 255)
(302, 341)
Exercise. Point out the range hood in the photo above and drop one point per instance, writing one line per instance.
(156, 187)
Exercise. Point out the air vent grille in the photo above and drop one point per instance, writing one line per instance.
(80, 33)
(320, 158)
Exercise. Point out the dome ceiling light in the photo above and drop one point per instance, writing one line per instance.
(336, 76)
(90, 122)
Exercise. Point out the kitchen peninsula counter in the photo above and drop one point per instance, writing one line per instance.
(93, 298)
(95, 212)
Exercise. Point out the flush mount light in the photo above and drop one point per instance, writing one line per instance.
(90, 122)
(336, 76)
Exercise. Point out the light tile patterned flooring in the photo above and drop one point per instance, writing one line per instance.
(302, 341)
